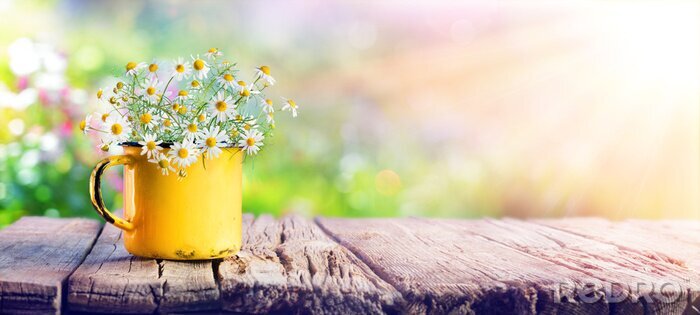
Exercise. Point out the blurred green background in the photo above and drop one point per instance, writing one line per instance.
(427, 108)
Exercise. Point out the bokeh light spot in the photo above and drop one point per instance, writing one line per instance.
(388, 182)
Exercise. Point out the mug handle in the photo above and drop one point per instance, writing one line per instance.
(96, 191)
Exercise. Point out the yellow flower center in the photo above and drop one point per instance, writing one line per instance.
(153, 67)
(120, 85)
(180, 68)
(234, 133)
(245, 93)
(246, 126)
(250, 142)
(265, 70)
(201, 117)
(195, 83)
(104, 117)
(167, 123)
(239, 117)
(183, 153)
(241, 83)
(117, 129)
(198, 64)
(228, 77)
(213, 50)
(151, 145)
(130, 66)
(151, 90)
(99, 94)
(113, 100)
(192, 128)
(268, 101)
(163, 163)
(211, 142)
(104, 147)
(83, 124)
(176, 106)
(146, 118)
(182, 93)
(292, 103)
(221, 106)
(182, 110)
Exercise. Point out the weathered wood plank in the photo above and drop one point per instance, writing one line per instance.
(36, 257)
(511, 266)
(290, 265)
(674, 242)
(113, 281)
(625, 278)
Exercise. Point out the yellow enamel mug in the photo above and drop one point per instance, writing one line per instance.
(197, 217)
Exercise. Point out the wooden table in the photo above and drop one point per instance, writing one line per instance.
(406, 265)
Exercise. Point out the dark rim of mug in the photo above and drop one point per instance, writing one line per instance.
(167, 145)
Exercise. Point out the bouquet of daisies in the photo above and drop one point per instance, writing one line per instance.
(193, 107)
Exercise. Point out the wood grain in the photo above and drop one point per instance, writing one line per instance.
(407, 265)
(36, 257)
(627, 280)
(464, 266)
(113, 281)
(290, 265)
(672, 242)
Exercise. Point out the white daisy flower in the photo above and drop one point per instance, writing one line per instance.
(163, 163)
(249, 123)
(150, 146)
(212, 53)
(103, 94)
(290, 105)
(251, 141)
(267, 106)
(181, 69)
(85, 124)
(148, 120)
(183, 154)
(183, 95)
(133, 68)
(117, 127)
(270, 118)
(103, 117)
(200, 67)
(211, 140)
(263, 72)
(227, 80)
(151, 90)
(195, 85)
(191, 131)
(245, 90)
(153, 68)
(221, 107)
(167, 124)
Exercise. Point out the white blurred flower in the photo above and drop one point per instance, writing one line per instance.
(16, 126)
(24, 57)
